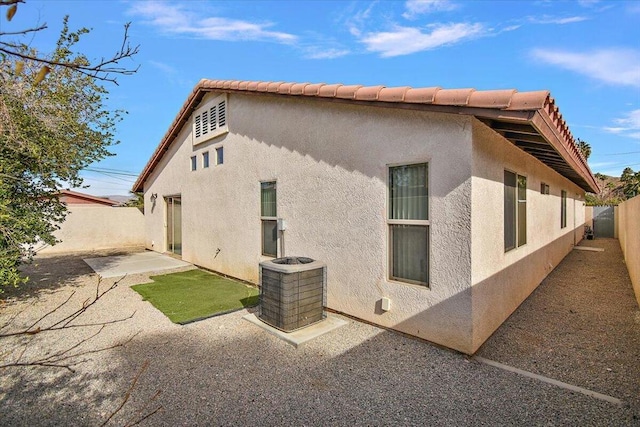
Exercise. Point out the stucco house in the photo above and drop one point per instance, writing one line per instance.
(450, 206)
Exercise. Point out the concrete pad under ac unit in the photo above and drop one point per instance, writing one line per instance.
(301, 336)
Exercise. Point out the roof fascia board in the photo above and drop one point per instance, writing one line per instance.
(542, 122)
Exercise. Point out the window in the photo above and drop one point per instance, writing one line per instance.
(210, 120)
(219, 156)
(563, 209)
(515, 210)
(544, 188)
(194, 163)
(409, 223)
(268, 216)
(205, 159)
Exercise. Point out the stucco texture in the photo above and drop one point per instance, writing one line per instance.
(330, 161)
(628, 228)
(90, 228)
(503, 280)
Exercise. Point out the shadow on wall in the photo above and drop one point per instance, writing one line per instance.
(351, 150)
(487, 304)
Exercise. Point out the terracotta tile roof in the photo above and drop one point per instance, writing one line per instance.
(530, 120)
(73, 197)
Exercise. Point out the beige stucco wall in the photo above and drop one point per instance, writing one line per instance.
(628, 220)
(502, 281)
(588, 216)
(89, 228)
(330, 162)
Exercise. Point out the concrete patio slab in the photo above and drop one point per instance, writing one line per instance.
(143, 262)
(301, 336)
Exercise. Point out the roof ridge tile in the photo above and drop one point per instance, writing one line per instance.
(329, 91)
(368, 93)
(313, 89)
(423, 95)
(459, 97)
(347, 91)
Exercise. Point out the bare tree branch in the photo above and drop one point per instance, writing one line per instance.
(61, 359)
(12, 318)
(10, 2)
(159, 408)
(142, 414)
(127, 395)
(23, 32)
(65, 322)
(102, 70)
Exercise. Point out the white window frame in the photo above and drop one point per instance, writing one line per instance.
(424, 223)
(206, 160)
(219, 150)
(203, 128)
(194, 163)
(517, 212)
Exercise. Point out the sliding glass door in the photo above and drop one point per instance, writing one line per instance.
(174, 224)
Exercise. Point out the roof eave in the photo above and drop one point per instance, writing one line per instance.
(535, 109)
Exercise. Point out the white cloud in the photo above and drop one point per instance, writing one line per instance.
(316, 52)
(602, 164)
(546, 19)
(613, 66)
(356, 22)
(407, 40)
(419, 7)
(588, 3)
(176, 19)
(165, 68)
(628, 126)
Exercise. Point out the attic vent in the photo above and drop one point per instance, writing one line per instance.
(210, 120)
(222, 113)
(197, 124)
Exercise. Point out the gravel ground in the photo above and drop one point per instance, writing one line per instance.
(580, 326)
(226, 371)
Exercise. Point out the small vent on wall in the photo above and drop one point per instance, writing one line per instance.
(210, 120)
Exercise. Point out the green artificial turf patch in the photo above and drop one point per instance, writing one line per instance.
(196, 294)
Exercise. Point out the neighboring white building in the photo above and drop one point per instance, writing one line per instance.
(453, 204)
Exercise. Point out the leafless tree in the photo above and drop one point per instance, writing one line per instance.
(15, 343)
(67, 357)
(103, 69)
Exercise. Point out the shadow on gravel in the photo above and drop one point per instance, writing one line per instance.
(48, 273)
(51, 396)
(248, 377)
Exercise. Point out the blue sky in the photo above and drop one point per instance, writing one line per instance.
(587, 53)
